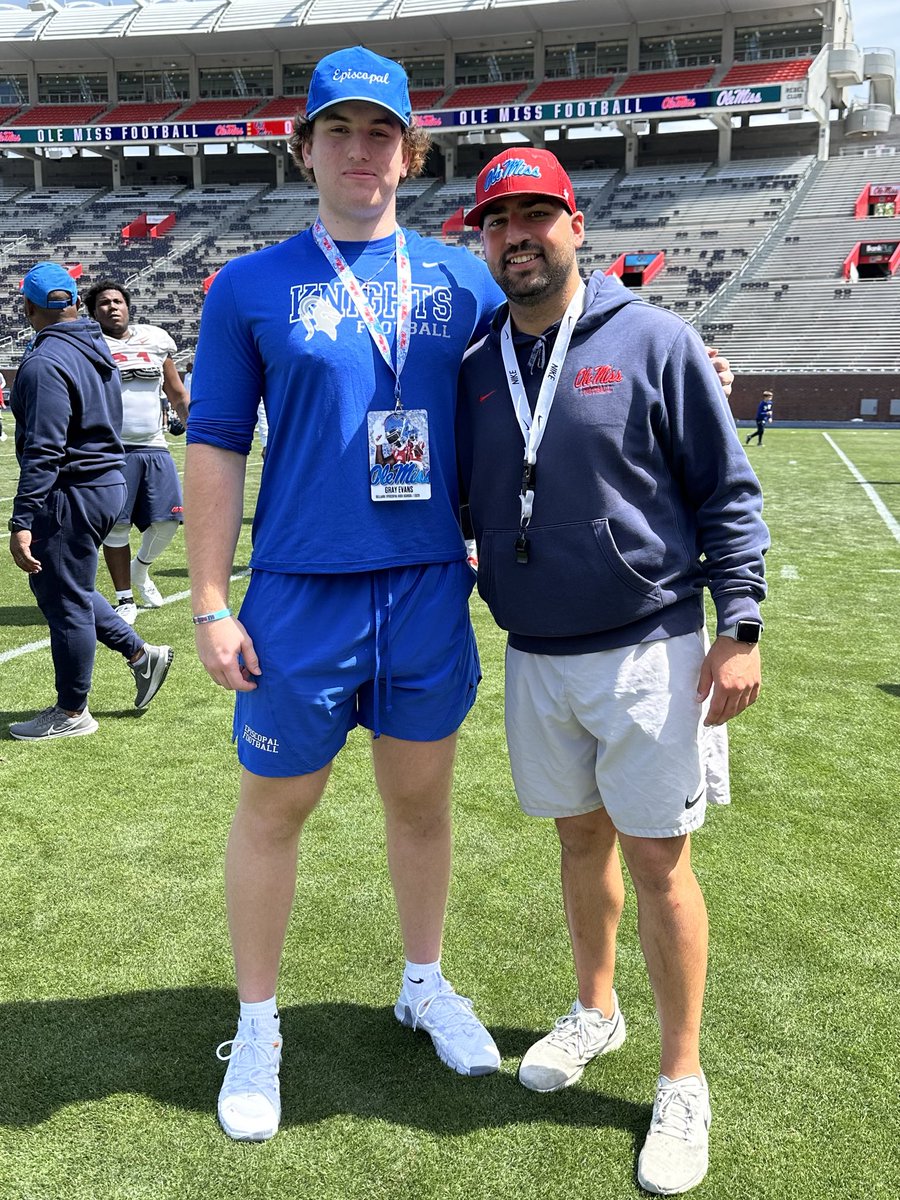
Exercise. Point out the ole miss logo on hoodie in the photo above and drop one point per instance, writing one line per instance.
(592, 380)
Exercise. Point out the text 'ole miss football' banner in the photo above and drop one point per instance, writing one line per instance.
(144, 134)
(608, 107)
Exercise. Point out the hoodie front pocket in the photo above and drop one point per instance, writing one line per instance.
(575, 581)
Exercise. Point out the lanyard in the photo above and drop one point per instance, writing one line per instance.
(328, 247)
(534, 427)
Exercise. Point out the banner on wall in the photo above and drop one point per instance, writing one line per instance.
(600, 109)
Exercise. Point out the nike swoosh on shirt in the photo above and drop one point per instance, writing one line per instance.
(486, 396)
(429, 265)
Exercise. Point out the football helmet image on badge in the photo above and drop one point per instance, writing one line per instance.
(401, 439)
(398, 429)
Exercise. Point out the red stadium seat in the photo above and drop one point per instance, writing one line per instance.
(425, 98)
(571, 89)
(219, 110)
(666, 81)
(480, 94)
(281, 106)
(59, 114)
(766, 72)
(134, 112)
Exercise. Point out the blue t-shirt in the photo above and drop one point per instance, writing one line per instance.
(278, 324)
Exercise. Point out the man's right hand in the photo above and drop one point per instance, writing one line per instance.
(20, 549)
(219, 645)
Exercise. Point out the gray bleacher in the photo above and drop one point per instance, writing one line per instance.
(793, 310)
(789, 309)
(706, 224)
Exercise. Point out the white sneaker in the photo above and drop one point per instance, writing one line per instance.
(558, 1060)
(460, 1039)
(250, 1098)
(127, 610)
(675, 1156)
(144, 586)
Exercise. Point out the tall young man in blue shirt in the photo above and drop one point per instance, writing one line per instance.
(356, 614)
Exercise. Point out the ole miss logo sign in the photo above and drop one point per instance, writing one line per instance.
(591, 380)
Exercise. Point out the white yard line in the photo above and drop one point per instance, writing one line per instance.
(789, 572)
(30, 648)
(880, 507)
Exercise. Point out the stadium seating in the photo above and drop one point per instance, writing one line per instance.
(774, 71)
(58, 114)
(133, 112)
(218, 110)
(480, 95)
(753, 248)
(423, 99)
(281, 106)
(665, 81)
(793, 310)
(571, 89)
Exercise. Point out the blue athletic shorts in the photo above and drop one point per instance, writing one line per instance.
(391, 650)
(154, 489)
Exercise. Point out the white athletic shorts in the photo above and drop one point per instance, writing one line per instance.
(617, 729)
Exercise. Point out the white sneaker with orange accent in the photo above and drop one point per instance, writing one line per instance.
(250, 1098)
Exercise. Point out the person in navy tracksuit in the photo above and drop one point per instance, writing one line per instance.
(763, 418)
(67, 403)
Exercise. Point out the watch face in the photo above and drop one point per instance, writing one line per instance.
(748, 631)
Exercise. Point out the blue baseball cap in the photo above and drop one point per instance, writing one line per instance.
(358, 74)
(47, 277)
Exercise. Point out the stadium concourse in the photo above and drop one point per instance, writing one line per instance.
(724, 166)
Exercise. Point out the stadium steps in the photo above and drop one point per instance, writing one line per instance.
(792, 310)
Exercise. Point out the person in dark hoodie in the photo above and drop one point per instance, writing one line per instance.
(67, 403)
(607, 488)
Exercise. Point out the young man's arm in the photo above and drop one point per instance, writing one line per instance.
(175, 391)
(213, 510)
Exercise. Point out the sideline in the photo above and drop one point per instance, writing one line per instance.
(880, 507)
(31, 647)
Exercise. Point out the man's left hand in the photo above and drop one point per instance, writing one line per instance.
(20, 549)
(732, 672)
(723, 369)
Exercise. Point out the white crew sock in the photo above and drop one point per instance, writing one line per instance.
(260, 1010)
(417, 975)
(125, 594)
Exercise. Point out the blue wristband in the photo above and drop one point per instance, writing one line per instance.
(206, 618)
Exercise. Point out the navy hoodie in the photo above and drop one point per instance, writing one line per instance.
(643, 492)
(67, 401)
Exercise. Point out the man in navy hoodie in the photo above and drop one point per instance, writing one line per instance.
(607, 488)
(67, 403)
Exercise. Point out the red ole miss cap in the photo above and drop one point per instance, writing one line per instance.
(524, 171)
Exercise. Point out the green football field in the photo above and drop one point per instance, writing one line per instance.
(115, 972)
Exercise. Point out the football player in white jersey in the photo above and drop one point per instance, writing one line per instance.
(150, 384)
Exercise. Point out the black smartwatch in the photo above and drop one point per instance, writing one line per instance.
(743, 631)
